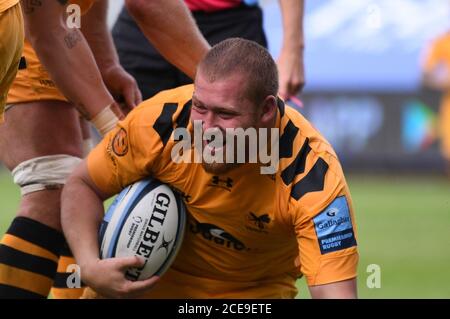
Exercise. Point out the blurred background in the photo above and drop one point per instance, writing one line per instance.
(364, 93)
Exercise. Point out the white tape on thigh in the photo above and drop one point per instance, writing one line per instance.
(46, 172)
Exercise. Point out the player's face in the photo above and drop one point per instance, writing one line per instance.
(221, 105)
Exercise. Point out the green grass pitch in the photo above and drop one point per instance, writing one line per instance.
(403, 226)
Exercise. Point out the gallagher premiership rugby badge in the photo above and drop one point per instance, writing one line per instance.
(334, 227)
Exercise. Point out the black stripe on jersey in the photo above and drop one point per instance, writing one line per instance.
(163, 125)
(312, 182)
(280, 105)
(10, 292)
(65, 251)
(15, 258)
(37, 233)
(287, 140)
(60, 280)
(22, 63)
(298, 165)
(185, 114)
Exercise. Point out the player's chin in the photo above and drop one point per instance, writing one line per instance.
(219, 168)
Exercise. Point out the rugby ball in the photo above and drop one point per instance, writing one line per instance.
(146, 219)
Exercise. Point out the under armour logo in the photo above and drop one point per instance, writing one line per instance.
(186, 197)
(224, 183)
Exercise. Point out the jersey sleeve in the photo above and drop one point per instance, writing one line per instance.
(139, 146)
(324, 223)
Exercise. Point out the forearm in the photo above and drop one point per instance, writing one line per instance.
(169, 26)
(81, 215)
(292, 13)
(338, 290)
(95, 29)
(66, 56)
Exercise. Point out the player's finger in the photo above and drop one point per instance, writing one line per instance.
(129, 95)
(294, 88)
(127, 262)
(137, 96)
(283, 93)
(136, 287)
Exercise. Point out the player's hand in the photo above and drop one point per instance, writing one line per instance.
(107, 277)
(123, 87)
(291, 73)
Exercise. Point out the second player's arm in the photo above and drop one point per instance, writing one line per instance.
(95, 29)
(290, 60)
(67, 57)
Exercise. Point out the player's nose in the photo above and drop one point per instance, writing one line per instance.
(209, 121)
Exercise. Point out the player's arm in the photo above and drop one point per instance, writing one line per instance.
(95, 29)
(82, 213)
(290, 61)
(339, 290)
(125, 155)
(66, 55)
(169, 26)
(325, 225)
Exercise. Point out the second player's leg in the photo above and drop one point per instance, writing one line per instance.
(40, 142)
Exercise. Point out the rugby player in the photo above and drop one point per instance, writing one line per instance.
(249, 235)
(436, 75)
(65, 71)
(11, 44)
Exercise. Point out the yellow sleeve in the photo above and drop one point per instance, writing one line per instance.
(123, 156)
(134, 149)
(325, 225)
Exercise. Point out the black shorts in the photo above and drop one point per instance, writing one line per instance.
(152, 72)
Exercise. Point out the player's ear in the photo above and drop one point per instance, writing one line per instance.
(268, 110)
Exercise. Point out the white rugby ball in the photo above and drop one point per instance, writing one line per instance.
(146, 219)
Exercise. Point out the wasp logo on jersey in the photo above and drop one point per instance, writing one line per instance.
(217, 235)
(334, 227)
(258, 223)
(225, 183)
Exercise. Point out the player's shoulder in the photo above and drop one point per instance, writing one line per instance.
(165, 108)
(298, 134)
(306, 157)
(310, 173)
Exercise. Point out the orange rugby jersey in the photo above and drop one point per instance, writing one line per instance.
(32, 82)
(6, 4)
(438, 56)
(248, 235)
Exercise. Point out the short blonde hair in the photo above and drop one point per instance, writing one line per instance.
(236, 55)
